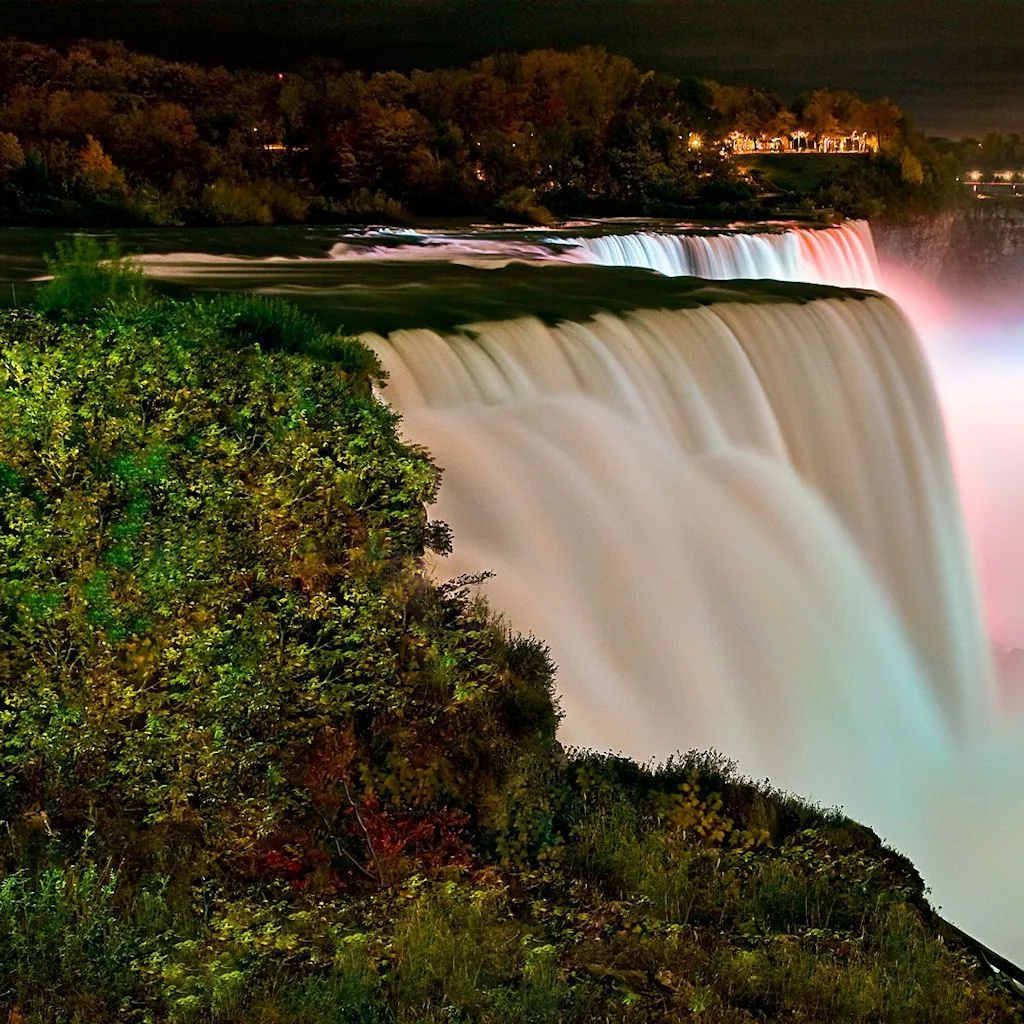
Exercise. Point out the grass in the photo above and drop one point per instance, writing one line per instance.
(800, 173)
(638, 914)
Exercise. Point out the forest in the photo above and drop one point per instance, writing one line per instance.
(95, 134)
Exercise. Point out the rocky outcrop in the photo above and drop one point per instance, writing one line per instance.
(981, 244)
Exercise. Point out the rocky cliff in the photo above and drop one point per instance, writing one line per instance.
(979, 245)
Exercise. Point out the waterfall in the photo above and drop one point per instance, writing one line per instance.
(842, 256)
(735, 525)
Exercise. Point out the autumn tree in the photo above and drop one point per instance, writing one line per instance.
(96, 171)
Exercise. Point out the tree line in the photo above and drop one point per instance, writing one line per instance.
(97, 133)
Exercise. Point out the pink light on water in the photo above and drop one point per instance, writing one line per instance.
(975, 347)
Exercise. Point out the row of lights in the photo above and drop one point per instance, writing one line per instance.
(998, 176)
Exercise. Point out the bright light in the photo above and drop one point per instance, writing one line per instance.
(974, 176)
(695, 141)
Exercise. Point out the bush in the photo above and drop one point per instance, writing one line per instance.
(279, 326)
(521, 206)
(265, 681)
(364, 206)
(234, 202)
(276, 325)
(67, 941)
(149, 205)
(12, 156)
(88, 276)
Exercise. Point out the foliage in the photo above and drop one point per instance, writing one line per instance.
(86, 275)
(260, 676)
(521, 206)
(12, 156)
(256, 767)
(228, 202)
(277, 325)
(365, 206)
(98, 134)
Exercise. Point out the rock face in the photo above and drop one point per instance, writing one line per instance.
(982, 244)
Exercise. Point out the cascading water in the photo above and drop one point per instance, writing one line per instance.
(765, 432)
(842, 256)
(737, 527)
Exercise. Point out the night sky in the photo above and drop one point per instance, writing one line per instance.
(957, 66)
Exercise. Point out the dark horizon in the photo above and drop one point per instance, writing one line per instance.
(955, 66)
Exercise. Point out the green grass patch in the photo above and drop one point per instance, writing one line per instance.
(797, 172)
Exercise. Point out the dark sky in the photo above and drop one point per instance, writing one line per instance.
(957, 66)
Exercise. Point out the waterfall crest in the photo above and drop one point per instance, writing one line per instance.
(843, 256)
(736, 526)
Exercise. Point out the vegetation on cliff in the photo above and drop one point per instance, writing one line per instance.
(256, 766)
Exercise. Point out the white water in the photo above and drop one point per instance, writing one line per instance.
(824, 407)
(842, 256)
(734, 525)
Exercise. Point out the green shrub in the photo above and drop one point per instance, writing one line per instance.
(365, 206)
(265, 681)
(450, 951)
(349, 994)
(149, 205)
(286, 204)
(521, 206)
(235, 202)
(71, 938)
(279, 326)
(87, 275)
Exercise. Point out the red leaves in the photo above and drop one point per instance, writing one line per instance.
(404, 844)
(281, 865)
(371, 844)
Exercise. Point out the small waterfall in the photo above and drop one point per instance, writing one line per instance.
(843, 256)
